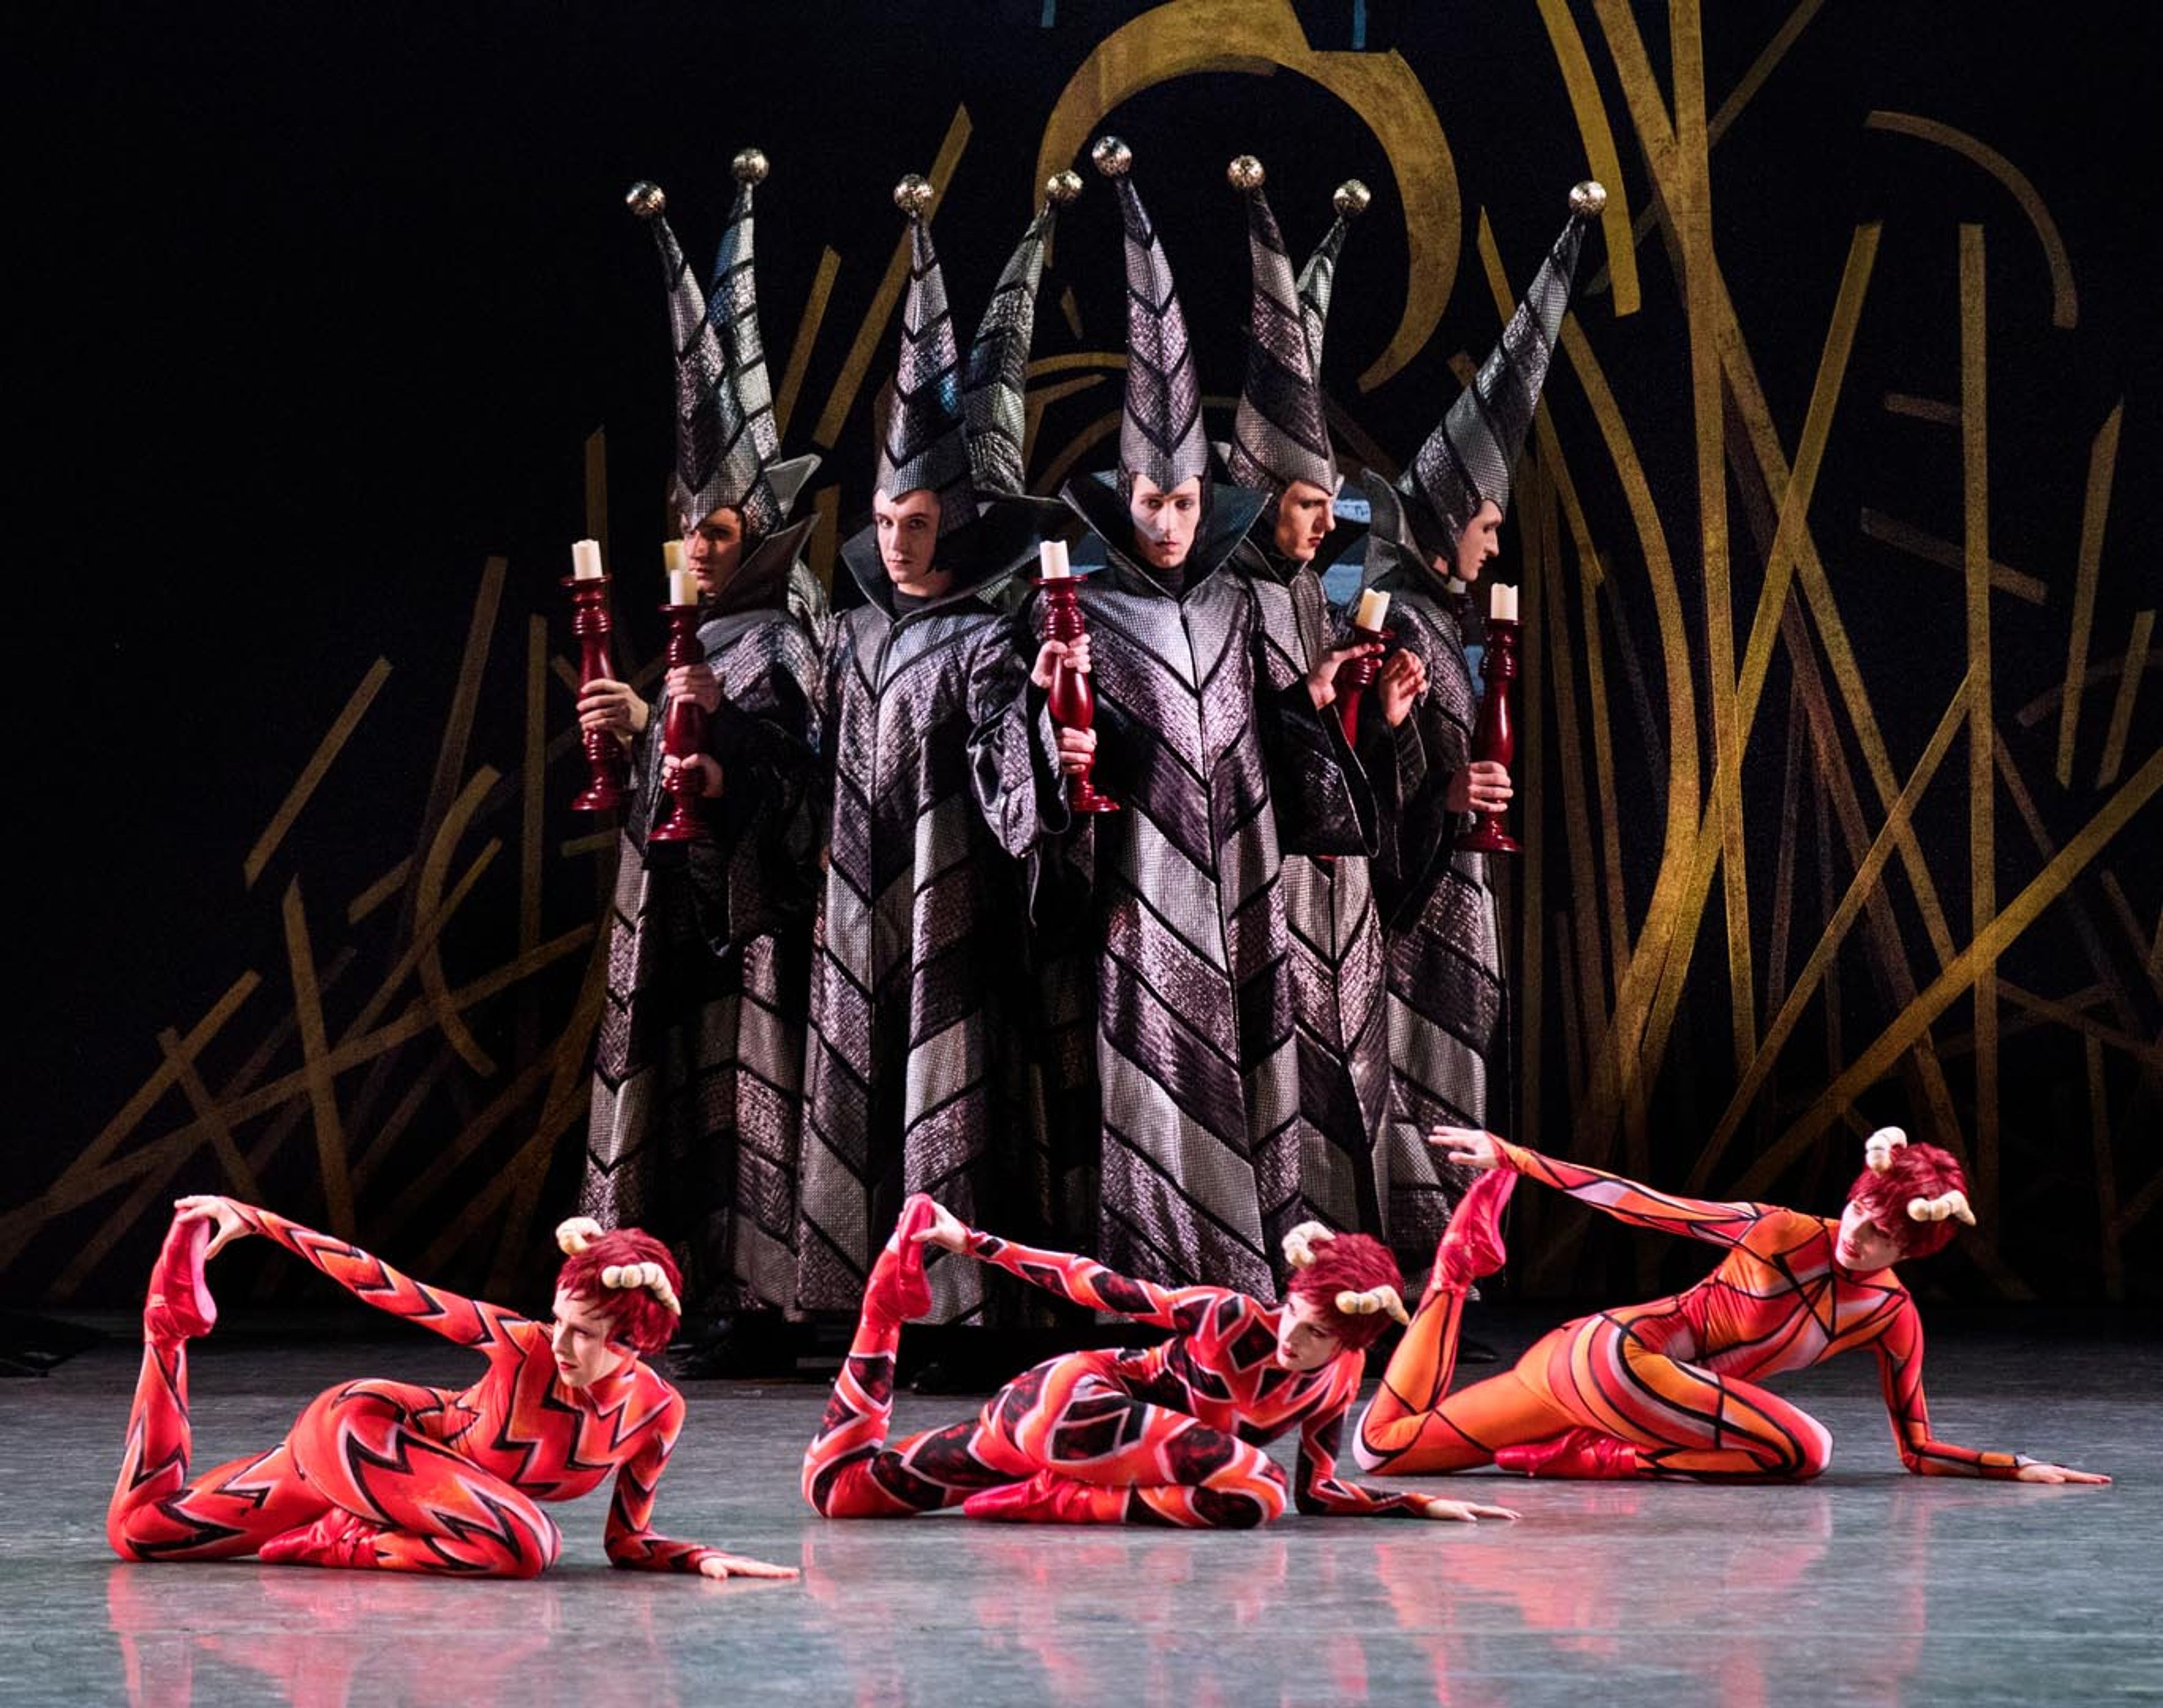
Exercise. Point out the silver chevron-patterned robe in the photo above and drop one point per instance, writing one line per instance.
(1338, 989)
(1202, 1144)
(917, 1075)
(693, 1131)
(1446, 993)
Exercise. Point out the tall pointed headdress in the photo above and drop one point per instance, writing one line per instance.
(925, 444)
(1469, 457)
(1160, 435)
(1281, 432)
(995, 384)
(725, 436)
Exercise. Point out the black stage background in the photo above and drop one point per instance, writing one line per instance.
(324, 305)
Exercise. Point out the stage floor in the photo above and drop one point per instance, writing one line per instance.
(1868, 1586)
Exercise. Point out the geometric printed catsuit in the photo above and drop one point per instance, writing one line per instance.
(1676, 1380)
(446, 1482)
(1170, 1435)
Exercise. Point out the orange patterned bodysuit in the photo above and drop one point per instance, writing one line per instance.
(439, 1480)
(1676, 1381)
(1172, 1435)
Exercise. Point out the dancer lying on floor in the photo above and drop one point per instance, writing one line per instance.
(1670, 1389)
(1168, 1436)
(388, 1477)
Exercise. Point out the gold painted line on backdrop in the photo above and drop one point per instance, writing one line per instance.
(1838, 923)
(2107, 670)
(1784, 38)
(1783, 875)
(869, 335)
(1922, 408)
(2145, 1051)
(428, 896)
(313, 773)
(1072, 309)
(2003, 931)
(1907, 538)
(322, 1093)
(384, 1138)
(2094, 509)
(2105, 1173)
(2121, 711)
(534, 1154)
(420, 1189)
(1600, 153)
(807, 335)
(573, 846)
(2064, 301)
(2140, 1203)
(566, 673)
(378, 893)
(1983, 733)
(2131, 924)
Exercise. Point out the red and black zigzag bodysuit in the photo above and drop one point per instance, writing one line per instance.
(1172, 1435)
(438, 1480)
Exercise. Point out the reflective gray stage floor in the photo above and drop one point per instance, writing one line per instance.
(1868, 1587)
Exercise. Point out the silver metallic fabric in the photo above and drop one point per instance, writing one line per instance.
(925, 445)
(995, 386)
(1160, 435)
(1280, 433)
(1317, 279)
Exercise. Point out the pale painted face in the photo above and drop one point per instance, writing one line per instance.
(713, 550)
(1305, 515)
(908, 541)
(1165, 522)
(1862, 1247)
(1306, 1341)
(580, 1338)
(1477, 544)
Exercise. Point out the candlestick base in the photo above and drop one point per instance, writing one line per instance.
(1083, 796)
(602, 797)
(683, 730)
(1488, 837)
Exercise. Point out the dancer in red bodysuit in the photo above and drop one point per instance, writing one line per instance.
(390, 1476)
(1173, 1435)
(1670, 1389)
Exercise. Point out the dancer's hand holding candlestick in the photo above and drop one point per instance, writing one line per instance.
(1349, 680)
(1062, 672)
(683, 726)
(591, 622)
(1484, 786)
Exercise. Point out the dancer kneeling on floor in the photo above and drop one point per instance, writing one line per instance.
(390, 1476)
(1670, 1389)
(1168, 1436)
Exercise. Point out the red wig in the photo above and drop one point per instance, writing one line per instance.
(1913, 1172)
(1348, 1263)
(640, 1320)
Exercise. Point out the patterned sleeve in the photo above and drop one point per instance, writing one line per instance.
(1318, 793)
(1086, 1281)
(1716, 1223)
(472, 1322)
(1317, 1489)
(1411, 767)
(1012, 768)
(630, 1539)
(1900, 1373)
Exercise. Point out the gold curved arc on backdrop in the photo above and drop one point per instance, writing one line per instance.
(2065, 301)
(1600, 153)
(1258, 37)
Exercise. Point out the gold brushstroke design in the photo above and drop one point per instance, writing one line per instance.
(2131, 924)
(313, 773)
(1982, 734)
(428, 891)
(2095, 509)
(1601, 156)
(1928, 409)
(2121, 711)
(2065, 301)
(379, 891)
(857, 367)
(807, 336)
(322, 1092)
(1906, 536)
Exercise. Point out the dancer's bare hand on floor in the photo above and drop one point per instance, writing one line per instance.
(1465, 1511)
(947, 1231)
(737, 1565)
(2037, 1471)
(1467, 1145)
(226, 1224)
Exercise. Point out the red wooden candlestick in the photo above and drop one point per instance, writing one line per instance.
(683, 728)
(607, 766)
(1071, 700)
(1355, 676)
(1494, 736)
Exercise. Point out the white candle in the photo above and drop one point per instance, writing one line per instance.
(586, 560)
(1502, 603)
(1373, 606)
(1051, 560)
(672, 556)
(682, 587)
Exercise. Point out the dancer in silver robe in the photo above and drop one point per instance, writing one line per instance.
(918, 1077)
(693, 1131)
(1447, 996)
(1219, 770)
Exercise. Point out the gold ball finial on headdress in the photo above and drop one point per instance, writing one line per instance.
(1113, 158)
(1352, 198)
(1587, 199)
(749, 167)
(1062, 187)
(914, 193)
(1245, 173)
(647, 200)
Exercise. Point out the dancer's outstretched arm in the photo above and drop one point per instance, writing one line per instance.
(630, 1539)
(1900, 1370)
(1082, 1279)
(1317, 1489)
(472, 1322)
(1717, 1222)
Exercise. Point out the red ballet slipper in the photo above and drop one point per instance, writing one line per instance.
(338, 1540)
(897, 1290)
(1581, 1454)
(1472, 1244)
(180, 1306)
(1046, 1498)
